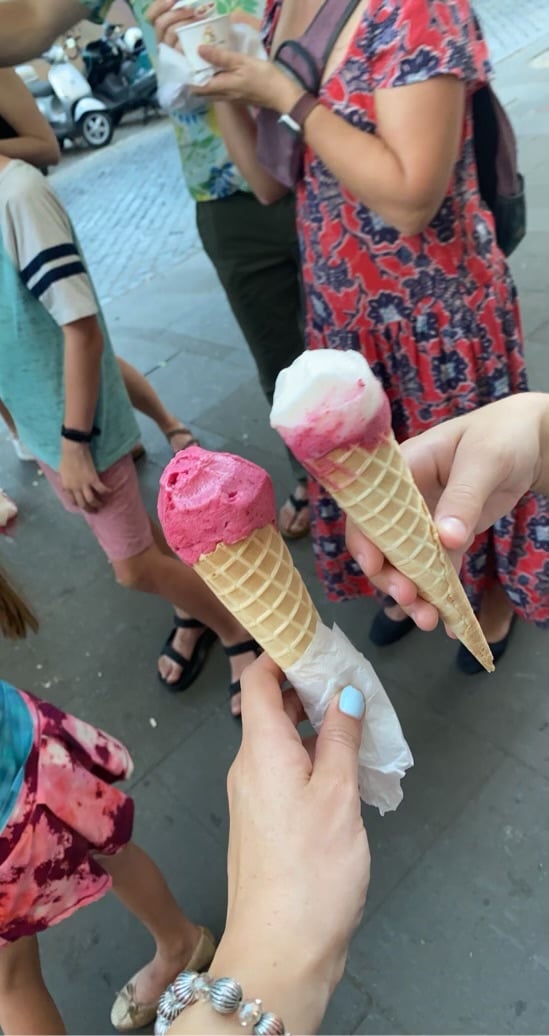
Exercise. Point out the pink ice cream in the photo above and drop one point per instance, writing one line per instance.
(329, 400)
(210, 498)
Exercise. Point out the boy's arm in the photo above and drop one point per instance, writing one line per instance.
(83, 351)
(39, 238)
(28, 27)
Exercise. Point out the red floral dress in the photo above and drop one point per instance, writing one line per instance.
(436, 314)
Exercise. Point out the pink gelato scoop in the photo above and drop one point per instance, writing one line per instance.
(327, 400)
(210, 498)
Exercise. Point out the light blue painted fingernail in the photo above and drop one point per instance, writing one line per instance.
(351, 702)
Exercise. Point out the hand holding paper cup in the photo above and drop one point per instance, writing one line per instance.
(214, 30)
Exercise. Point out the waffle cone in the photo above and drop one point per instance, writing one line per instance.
(259, 584)
(376, 490)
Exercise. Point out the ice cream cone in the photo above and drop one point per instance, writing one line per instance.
(376, 490)
(258, 583)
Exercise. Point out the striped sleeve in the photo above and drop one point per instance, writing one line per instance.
(45, 252)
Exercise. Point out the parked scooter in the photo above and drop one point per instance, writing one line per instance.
(67, 101)
(120, 73)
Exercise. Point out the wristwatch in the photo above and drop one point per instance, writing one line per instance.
(295, 119)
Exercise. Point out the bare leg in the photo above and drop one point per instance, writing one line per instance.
(26, 1007)
(140, 886)
(144, 398)
(495, 613)
(6, 416)
(293, 522)
(158, 571)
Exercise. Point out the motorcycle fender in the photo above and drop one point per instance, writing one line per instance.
(87, 104)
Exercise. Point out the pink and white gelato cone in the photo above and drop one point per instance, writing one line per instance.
(335, 417)
(218, 515)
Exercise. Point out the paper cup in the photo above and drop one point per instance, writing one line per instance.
(192, 35)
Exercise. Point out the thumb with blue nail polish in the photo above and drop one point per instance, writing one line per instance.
(351, 702)
(340, 735)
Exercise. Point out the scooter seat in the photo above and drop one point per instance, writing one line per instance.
(39, 88)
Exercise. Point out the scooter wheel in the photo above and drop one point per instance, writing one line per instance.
(96, 128)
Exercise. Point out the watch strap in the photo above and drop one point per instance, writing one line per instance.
(303, 108)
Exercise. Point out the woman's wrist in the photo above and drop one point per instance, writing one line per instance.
(292, 988)
(287, 94)
(290, 982)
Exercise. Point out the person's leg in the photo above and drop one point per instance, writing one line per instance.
(141, 560)
(157, 571)
(141, 887)
(255, 251)
(26, 1007)
(144, 398)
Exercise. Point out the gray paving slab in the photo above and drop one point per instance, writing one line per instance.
(473, 956)
(509, 25)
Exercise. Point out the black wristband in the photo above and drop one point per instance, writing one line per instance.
(75, 435)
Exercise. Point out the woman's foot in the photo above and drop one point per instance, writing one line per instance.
(136, 1004)
(389, 625)
(294, 520)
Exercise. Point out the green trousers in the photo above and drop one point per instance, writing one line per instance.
(255, 251)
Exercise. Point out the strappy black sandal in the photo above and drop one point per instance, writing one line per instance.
(240, 649)
(298, 506)
(190, 667)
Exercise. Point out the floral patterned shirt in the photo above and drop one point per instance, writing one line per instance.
(207, 168)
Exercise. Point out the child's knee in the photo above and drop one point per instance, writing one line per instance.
(136, 573)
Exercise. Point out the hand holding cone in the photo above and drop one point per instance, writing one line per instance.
(330, 399)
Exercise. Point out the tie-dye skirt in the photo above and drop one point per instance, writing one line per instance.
(67, 813)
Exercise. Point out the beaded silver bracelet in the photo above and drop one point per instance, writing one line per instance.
(224, 995)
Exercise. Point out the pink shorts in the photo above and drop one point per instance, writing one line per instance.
(122, 526)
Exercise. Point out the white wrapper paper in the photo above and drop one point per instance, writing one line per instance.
(384, 754)
(175, 75)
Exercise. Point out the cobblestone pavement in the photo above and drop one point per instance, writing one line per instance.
(131, 209)
(512, 24)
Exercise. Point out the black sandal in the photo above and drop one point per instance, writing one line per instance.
(190, 667)
(240, 649)
(298, 506)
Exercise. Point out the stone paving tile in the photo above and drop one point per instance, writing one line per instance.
(510, 25)
(131, 209)
(473, 957)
